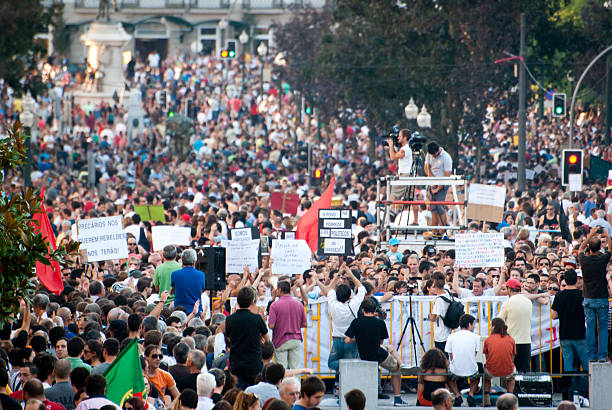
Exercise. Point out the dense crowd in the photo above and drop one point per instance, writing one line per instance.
(203, 352)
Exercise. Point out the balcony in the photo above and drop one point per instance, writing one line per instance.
(158, 4)
(281, 4)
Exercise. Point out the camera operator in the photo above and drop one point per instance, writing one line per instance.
(438, 163)
(403, 156)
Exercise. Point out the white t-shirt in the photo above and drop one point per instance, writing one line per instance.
(440, 307)
(405, 163)
(463, 346)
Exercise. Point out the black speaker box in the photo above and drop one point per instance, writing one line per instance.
(534, 389)
(211, 261)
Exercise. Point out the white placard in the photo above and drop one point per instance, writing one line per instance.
(575, 182)
(479, 250)
(324, 233)
(239, 254)
(491, 195)
(170, 235)
(329, 213)
(341, 233)
(345, 214)
(242, 234)
(290, 235)
(103, 238)
(290, 256)
(334, 246)
(333, 223)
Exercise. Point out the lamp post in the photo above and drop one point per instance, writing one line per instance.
(280, 61)
(262, 50)
(222, 27)
(243, 38)
(411, 110)
(424, 118)
(27, 119)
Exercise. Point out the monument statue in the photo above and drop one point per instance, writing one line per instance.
(104, 9)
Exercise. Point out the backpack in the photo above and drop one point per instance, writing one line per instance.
(454, 312)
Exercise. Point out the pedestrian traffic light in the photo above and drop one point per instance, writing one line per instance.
(308, 110)
(317, 176)
(559, 105)
(189, 111)
(231, 48)
(572, 164)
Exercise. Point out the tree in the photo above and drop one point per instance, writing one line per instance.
(20, 243)
(20, 21)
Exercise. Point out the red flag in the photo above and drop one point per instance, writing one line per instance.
(307, 227)
(49, 275)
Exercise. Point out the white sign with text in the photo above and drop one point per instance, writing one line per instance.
(103, 238)
(290, 256)
(479, 250)
(170, 235)
(241, 253)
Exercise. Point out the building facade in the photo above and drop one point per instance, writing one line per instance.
(173, 27)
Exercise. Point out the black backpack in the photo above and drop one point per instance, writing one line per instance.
(454, 312)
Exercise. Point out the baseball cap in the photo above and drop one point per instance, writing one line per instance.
(513, 284)
(393, 242)
(570, 262)
(136, 274)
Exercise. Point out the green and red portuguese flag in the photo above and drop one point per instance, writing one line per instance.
(124, 378)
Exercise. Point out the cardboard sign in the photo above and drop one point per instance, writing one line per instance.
(285, 202)
(241, 253)
(150, 212)
(479, 250)
(243, 234)
(103, 238)
(486, 203)
(287, 234)
(170, 235)
(335, 232)
(290, 256)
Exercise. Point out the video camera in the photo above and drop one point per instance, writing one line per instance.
(393, 135)
(416, 141)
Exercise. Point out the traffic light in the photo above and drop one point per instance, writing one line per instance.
(572, 164)
(308, 110)
(317, 176)
(229, 51)
(559, 105)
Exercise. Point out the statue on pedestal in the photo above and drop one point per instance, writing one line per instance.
(104, 8)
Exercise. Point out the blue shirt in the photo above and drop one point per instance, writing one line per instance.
(188, 284)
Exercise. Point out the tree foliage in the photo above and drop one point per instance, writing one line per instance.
(21, 245)
(442, 53)
(20, 21)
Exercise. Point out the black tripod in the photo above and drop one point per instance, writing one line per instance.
(414, 330)
(417, 163)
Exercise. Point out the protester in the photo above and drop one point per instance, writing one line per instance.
(516, 312)
(499, 349)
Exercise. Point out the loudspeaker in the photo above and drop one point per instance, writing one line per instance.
(211, 261)
(534, 389)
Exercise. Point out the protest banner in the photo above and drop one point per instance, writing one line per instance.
(243, 234)
(479, 250)
(290, 256)
(486, 202)
(150, 212)
(241, 253)
(170, 235)
(335, 232)
(103, 238)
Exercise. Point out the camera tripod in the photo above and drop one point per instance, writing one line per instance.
(414, 330)
(417, 163)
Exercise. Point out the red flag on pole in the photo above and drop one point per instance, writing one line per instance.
(49, 275)
(308, 225)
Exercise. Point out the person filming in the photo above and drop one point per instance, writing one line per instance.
(403, 156)
(438, 163)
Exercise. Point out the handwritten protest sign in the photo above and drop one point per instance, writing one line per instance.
(479, 250)
(240, 253)
(244, 234)
(170, 235)
(486, 202)
(335, 232)
(103, 238)
(290, 256)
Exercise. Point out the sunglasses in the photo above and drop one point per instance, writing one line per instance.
(157, 356)
(553, 288)
(495, 276)
(545, 263)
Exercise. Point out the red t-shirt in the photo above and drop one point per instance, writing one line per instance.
(500, 352)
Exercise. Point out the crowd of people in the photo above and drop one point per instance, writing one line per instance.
(200, 352)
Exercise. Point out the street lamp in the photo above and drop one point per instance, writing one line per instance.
(280, 61)
(262, 50)
(411, 110)
(27, 119)
(222, 27)
(243, 38)
(424, 118)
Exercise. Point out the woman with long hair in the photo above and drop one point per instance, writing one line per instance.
(434, 367)
(499, 349)
(247, 401)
